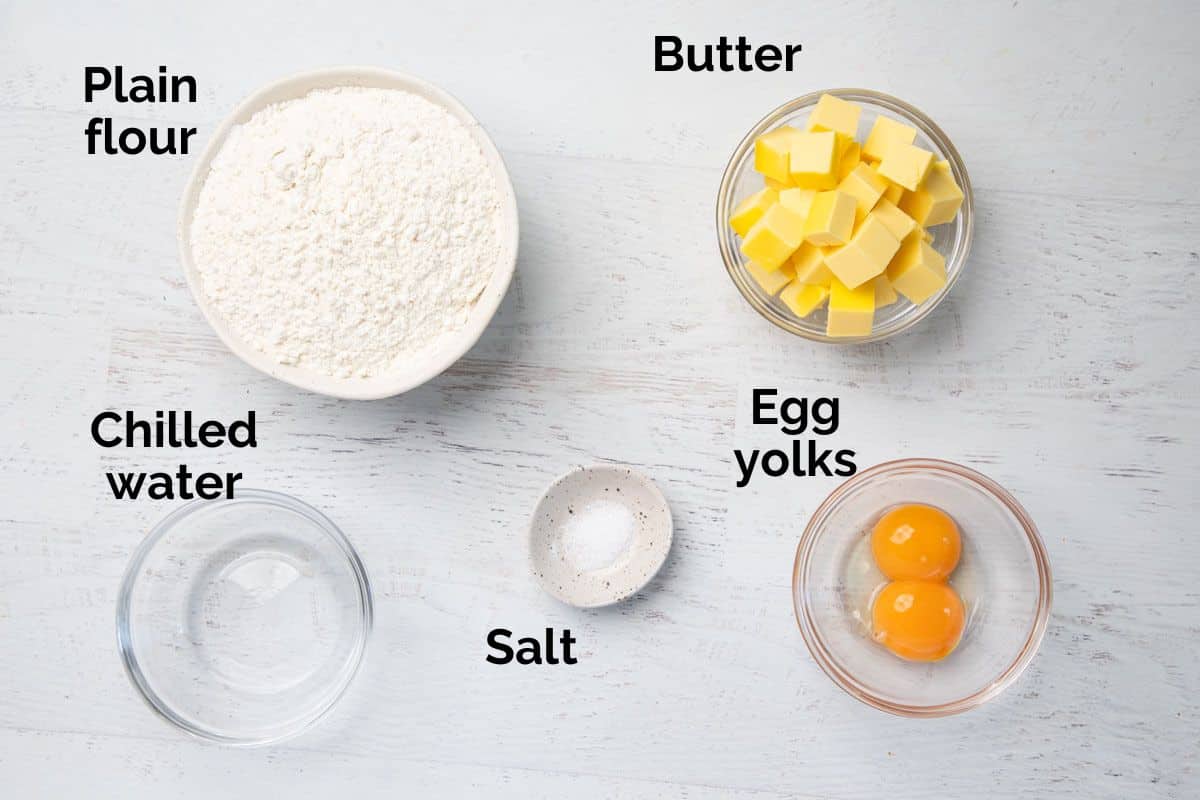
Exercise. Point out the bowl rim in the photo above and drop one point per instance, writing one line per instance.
(297, 85)
(125, 644)
(725, 202)
(661, 554)
(842, 677)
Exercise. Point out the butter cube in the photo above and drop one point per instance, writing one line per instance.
(831, 220)
(835, 114)
(883, 133)
(813, 160)
(771, 152)
(850, 158)
(803, 298)
(809, 264)
(885, 293)
(893, 192)
(750, 210)
(851, 311)
(771, 280)
(779, 186)
(906, 165)
(866, 187)
(866, 255)
(798, 200)
(774, 237)
(899, 223)
(936, 200)
(917, 271)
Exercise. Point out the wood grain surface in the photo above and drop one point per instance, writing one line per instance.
(1065, 365)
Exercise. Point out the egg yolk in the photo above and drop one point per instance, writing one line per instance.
(918, 620)
(916, 542)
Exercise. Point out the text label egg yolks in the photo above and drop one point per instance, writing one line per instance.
(918, 620)
(916, 542)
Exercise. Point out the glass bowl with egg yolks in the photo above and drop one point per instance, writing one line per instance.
(1002, 577)
(952, 239)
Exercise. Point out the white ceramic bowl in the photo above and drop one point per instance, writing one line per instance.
(637, 563)
(452, 347)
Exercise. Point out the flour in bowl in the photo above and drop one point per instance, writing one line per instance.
(348, 231)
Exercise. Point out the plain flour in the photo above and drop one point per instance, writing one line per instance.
(347, 231)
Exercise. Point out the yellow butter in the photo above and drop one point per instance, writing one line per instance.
(851, 311)
(771, 153)
(804, 298)
(812, 160)
(771, 280)
(843, 222)
(885, 293)
(906, 165)
(835, 114)
(831, 219)
(883, 133)
(899, 223)
(851, 157)
(917, 271)
(775, 236)
(866, 186)
(936, 200)
(866, 254)
(798, 200)
(809, 264)
(750, 210)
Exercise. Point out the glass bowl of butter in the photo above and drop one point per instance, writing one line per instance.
(845, 216)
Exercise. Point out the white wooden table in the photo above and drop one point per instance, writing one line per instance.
(1065, 365)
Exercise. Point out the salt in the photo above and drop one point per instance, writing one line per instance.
(597, 535)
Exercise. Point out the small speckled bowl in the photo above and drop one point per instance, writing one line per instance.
(637, 564)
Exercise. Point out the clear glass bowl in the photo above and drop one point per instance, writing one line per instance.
(1003, 578)
(243, 621)
(952, 240)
